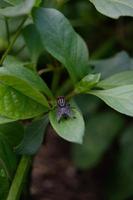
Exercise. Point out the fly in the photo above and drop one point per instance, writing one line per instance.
(63, 109)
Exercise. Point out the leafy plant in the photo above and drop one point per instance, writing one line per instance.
(28, 96)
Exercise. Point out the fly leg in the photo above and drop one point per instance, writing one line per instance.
(59, 115)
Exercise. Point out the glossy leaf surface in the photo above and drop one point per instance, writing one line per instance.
(62, 42)
(71, 129)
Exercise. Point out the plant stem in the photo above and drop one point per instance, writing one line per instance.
(13, 41)
(55, 81)
(65, 88)
(19, 179)
(71, 94)
(7, 30)
(104, 49)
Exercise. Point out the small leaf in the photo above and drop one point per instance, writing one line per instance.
(33, 137)
(61, 41)
(114, 8)
(110, 66)
(33, 42)
(87, 83)
(119, 98)
(71, 129)
(23, 8)
(120, 79)
(100, 131)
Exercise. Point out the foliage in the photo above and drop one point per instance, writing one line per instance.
(45, 41)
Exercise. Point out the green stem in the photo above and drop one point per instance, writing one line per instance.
(65, 88)
(71, 94)
(55, 81)
(104, 49)
(7, 30)
(19, 179)
(13, 41)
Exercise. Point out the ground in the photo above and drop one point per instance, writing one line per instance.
(54, 176)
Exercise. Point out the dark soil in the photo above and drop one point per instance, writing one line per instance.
(54, 176)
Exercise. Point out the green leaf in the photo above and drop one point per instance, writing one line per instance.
(33, 42)
(71, 129)
(15, 105)
(23, 8)
(114, 8)
(33, 137)
(4, 3)
(120, 79)
(12, 61)
(7, 157)
(61, 41)
(120, 186)
(100, 132)
(4, 184)
(13, 132)
(116, 64)
(29, 76)
(20, 92)
(24, 81)
(88, 104)
(13, 2)
(119, 98)
(87, 83)
(4, 120)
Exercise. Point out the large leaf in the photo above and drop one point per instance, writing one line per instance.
(33, 137)
(120, 79)
(28, 76)
(100, 131)
(62, 42)
(7, 157)
(13, 2)
(20, 93)
(118, 63)
(33, 41)
(16, 105)
(114, 8)
(88, 104)
(119, 98)
(71, 129)
(4, 120)
(24, 81)
(13, 61)
(120, 186)
(4, 4)
(23, 8)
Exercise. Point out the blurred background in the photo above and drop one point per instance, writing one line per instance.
(101, 168)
